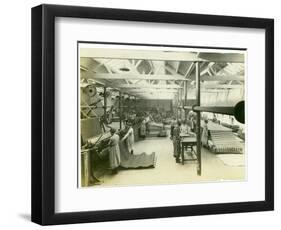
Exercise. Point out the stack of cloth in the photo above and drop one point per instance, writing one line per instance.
(223, 140)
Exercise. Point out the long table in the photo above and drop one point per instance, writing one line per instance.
(188, 142)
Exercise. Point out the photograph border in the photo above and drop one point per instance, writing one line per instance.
(43, 114)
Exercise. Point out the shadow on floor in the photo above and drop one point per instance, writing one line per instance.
(25, 216)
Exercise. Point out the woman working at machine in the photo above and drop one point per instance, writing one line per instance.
(129, 137)
(205, 133)
(114, 151)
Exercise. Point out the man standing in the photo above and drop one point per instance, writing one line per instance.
(176, 141)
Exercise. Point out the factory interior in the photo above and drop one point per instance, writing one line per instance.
(161, 116)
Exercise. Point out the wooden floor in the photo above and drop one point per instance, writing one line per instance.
(167, 171)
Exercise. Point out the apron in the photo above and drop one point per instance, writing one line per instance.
(114, 152)
(130, 139)
(204, 138)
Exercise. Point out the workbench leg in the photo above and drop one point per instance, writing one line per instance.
(86, 168)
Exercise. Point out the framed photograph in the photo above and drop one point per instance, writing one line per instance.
(143, 114)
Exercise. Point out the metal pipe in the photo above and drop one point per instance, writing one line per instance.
(229, 110)
(238, 111)
(187, 107)
(198, 118)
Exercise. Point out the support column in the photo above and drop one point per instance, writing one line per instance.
(180, 104)
(185, 99)
(105, 105)
(120, 110)
(198, 119)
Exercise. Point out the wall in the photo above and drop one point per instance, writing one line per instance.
(15, 117)
(221, 97)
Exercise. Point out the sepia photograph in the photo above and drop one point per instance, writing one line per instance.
(160, 115)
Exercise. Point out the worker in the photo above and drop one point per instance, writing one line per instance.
(129, 137)
(176, 141)
(147, 122)
(185, 129)
(114, 151)
(192, 121)
(143, 129)
(204, 138)
(215, 118)
(173, 124)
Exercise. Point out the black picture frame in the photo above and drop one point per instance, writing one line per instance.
(43, 113)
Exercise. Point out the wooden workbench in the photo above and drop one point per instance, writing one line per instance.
(188, 141)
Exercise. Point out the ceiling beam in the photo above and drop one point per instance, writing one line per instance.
(151, 90)
(156, 95)
(128, 76)
(178, 66)
(149, 86)
(222, 57)
(222, 86)
(174, 73)
(222, 78)
(189, 70)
